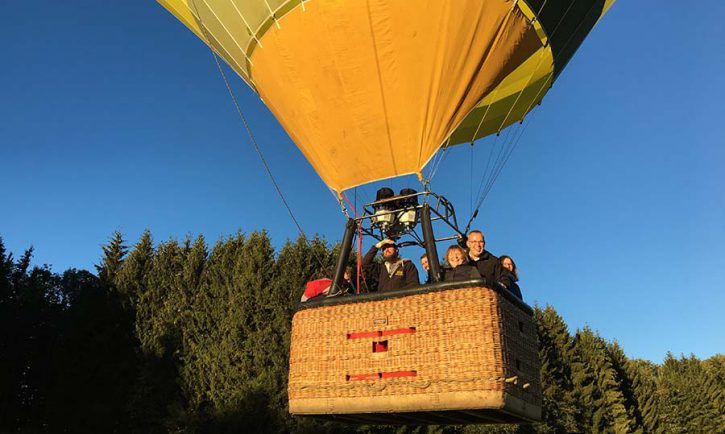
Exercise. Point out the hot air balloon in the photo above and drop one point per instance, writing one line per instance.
(370, 90)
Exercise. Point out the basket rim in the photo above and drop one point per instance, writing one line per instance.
(422, 289)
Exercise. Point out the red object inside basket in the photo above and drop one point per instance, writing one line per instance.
(380, 347)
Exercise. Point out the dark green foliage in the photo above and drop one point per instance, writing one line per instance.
(65, 345)
(178, 337)
(113, 255)
(93, 361)
(691, 399)
(598, 386)
(560, 412)
(642, 375)
(30, 312)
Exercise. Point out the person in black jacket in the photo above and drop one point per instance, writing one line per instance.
(348, 287)
(393, 273)
(457, 268)
(509, 267)
(487, 264)
(426, 267)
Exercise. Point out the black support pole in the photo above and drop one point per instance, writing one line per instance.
(344, 254)
(434, 268)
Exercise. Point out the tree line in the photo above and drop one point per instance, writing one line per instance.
(183, 337)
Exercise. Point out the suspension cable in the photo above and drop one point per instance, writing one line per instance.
(252, 138)
(511, 142)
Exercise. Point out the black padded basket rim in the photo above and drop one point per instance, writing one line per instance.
(321, 301)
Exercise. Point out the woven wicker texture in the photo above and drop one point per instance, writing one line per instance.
(464, 340)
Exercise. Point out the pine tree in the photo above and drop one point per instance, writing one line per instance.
(31, 313)
(262, 332)
(93, 360)
(6, 268)
(714, 369)
(153, 393)
(190, 307)
(113, 255)
(643, 376)
(691, 400)
(131, 278)
(619, 363)
(214, 340)
(297, 263)
(597, 386)
(560, 411)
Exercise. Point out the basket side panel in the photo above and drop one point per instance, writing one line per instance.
(441, 343)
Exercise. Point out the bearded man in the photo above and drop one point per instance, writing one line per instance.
(394, 272)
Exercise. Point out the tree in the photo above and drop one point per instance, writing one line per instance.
(598, 387)
(619, 363)
(93, 360)
(690, 399)
(31, 308)
(643, 378)
(560, 410)
(113, 255)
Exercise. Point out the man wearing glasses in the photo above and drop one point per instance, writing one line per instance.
(487, 264)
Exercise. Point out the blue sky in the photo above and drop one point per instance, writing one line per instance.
(114, 116)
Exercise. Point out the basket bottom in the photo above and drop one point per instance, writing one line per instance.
(437, 409)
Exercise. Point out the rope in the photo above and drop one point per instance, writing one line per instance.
(508, 155)
(511, 142)
(437, 164)
(257, 148)
(256, 145)
(434, 169)
(359, 246)
(470, 182)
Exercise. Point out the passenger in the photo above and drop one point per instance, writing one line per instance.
(348, 287)
(487, 264)
(426, 267)
(509, 266)
(393, 273)
(458, 269)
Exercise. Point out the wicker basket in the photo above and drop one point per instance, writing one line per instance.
(439, 354)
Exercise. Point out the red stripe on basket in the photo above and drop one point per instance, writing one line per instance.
(399, 374)
(377, 334)
(360, 335)
(406, 331)
(363, 377)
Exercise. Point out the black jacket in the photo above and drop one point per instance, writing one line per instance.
(404, 275)
(461, 272)
(509, 281)
(490, 269)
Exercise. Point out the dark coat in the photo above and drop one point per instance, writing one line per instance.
(404, 274)
(348, 287)
(460, 273)
(489, 267)
(510, 283)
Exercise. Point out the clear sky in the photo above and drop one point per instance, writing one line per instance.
(114, 116)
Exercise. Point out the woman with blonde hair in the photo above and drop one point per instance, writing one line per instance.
(457, 268)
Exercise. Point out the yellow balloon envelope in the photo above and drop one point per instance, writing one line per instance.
(371, 89)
